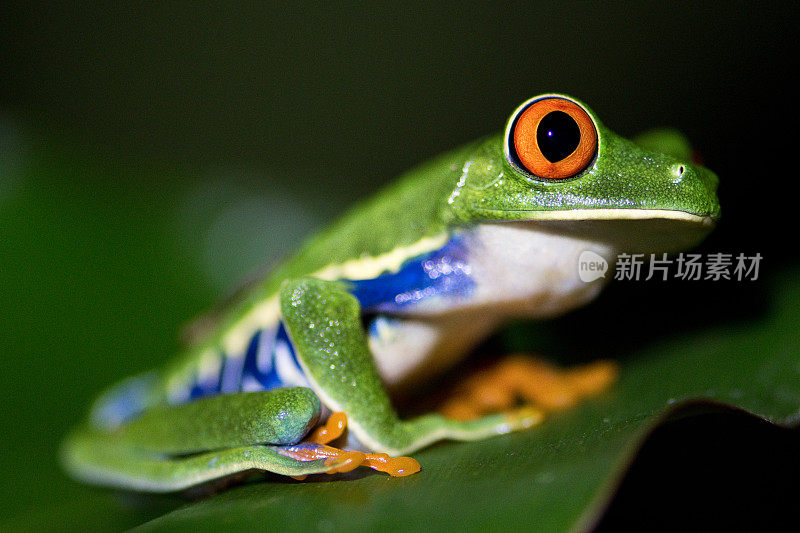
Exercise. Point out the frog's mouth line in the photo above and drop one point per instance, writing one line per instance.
(655, 230)
(614, 214)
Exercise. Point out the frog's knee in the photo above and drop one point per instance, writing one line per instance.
(293, 415)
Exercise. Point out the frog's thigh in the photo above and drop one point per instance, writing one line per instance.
(324, 321)
(96, 457)
(278, 416)
(173, 447)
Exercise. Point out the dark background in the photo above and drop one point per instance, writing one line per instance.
(153, 154)
(331, 102)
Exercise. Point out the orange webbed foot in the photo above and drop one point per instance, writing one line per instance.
(315, 446)
(531, 380)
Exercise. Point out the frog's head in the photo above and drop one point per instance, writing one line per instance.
(558, 165)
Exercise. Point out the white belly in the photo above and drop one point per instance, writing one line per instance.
(519, 269)
(531, 270)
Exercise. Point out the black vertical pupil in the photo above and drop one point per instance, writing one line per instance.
(558, 136)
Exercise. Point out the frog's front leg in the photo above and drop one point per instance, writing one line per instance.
(324, 321)
(174, 447)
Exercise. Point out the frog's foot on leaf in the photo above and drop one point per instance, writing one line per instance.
(328, 432)
(345, 460)
(315, 447)
(531, 380)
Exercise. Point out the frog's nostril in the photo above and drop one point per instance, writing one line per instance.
(678, 172)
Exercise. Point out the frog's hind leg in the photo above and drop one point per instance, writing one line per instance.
(528, 379)
(95, 458)
(170, 448)
(324, 321)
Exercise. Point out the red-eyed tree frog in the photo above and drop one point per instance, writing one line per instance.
(396, 291)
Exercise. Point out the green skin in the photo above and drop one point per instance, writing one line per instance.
(633, 190)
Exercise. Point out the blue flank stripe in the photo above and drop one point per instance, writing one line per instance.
(124, 401)
(251, 375)
(261, 369)
(442, 272)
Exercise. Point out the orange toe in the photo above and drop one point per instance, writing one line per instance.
(330, 431)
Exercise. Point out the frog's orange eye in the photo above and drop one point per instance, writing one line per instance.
(552, 138)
